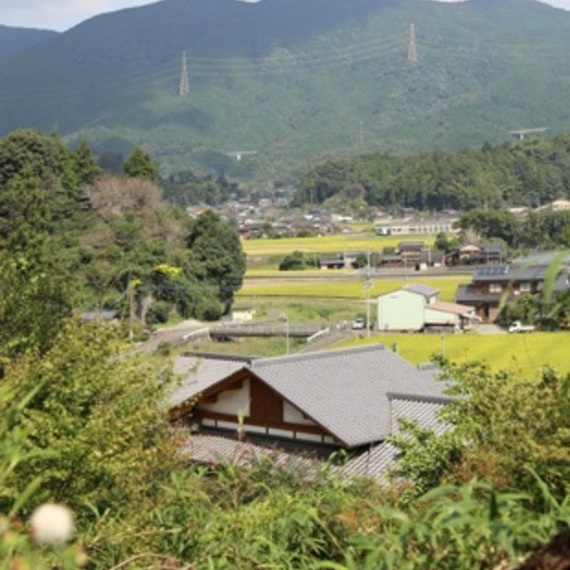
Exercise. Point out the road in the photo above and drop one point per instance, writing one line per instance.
(170, 335)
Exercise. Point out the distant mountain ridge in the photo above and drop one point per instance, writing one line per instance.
(15, 40)
(293, 80)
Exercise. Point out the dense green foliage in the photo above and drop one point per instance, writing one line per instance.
(502, 429)
(258, 511)
(545, 228)
(297, 260)
(139, 164)
(530, 172)
(186, 188)
(294, 80)
(112, 241)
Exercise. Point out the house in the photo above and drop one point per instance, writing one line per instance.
(417, 307)
(490, 284)
(410, 250)
(412, 254)
(334, 262)
(477, 255)
(419, 225)
(319, 402)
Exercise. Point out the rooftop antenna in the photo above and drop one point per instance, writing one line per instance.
(412, 49)
(184, 86)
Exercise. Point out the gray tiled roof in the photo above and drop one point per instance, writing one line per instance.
(346, 391)
(467, 294)
(198, 373)
(420, 289)
(377, 461)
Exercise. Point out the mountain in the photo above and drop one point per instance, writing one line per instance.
(15, 40)
(294, 80)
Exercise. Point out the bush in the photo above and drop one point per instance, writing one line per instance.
(296, 261)
(159, 313)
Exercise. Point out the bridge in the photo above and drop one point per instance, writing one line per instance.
(520, 134)
(264, 329)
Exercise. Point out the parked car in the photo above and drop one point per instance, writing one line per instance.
(359, 323)
(518, 327)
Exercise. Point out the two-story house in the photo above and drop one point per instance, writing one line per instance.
(490, 284)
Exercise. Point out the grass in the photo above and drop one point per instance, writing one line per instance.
(524, 354)
(341, 286)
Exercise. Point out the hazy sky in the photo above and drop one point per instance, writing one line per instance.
(63, 14)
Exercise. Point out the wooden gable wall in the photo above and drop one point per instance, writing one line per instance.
(264, 411)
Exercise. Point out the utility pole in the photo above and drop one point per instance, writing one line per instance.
(367, 286)
(284, 318)
(184, 85)
(131, 308)
(412, 48)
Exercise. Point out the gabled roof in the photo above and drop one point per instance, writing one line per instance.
(468, 294)
(511, 273)
(420, 289)
(200, 372)
(380, 458)
(455, 308)
(345, 391)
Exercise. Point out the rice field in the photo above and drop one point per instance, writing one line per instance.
(524, 354)
(341, 286)
(326, 244)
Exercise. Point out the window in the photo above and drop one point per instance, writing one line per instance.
(524, 288)
(495, 288)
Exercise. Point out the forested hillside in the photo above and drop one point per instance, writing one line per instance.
(530, 172)
(295, 79)
(15, 40)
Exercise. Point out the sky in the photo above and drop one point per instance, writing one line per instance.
(61, 15)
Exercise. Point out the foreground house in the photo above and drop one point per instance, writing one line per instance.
(417, 307)
(316, 403)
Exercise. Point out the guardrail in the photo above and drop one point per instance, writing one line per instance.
(264, 329)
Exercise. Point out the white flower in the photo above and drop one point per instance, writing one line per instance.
(51, 523)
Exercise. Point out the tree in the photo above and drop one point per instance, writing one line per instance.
(492, 224)
(446, 243)
(86, 166)
(46, 160)
(139, 164)
(100, 418)
(36, 270)
(501, 428)
(217, 259)
(45, 156)
(296, 260)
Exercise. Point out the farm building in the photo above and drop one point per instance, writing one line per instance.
(315, 403)
(417, 307)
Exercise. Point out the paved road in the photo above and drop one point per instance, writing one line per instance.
(170, 335)
(489, 329)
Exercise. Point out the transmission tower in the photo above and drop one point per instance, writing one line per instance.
(412, 50)
(184, 87)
